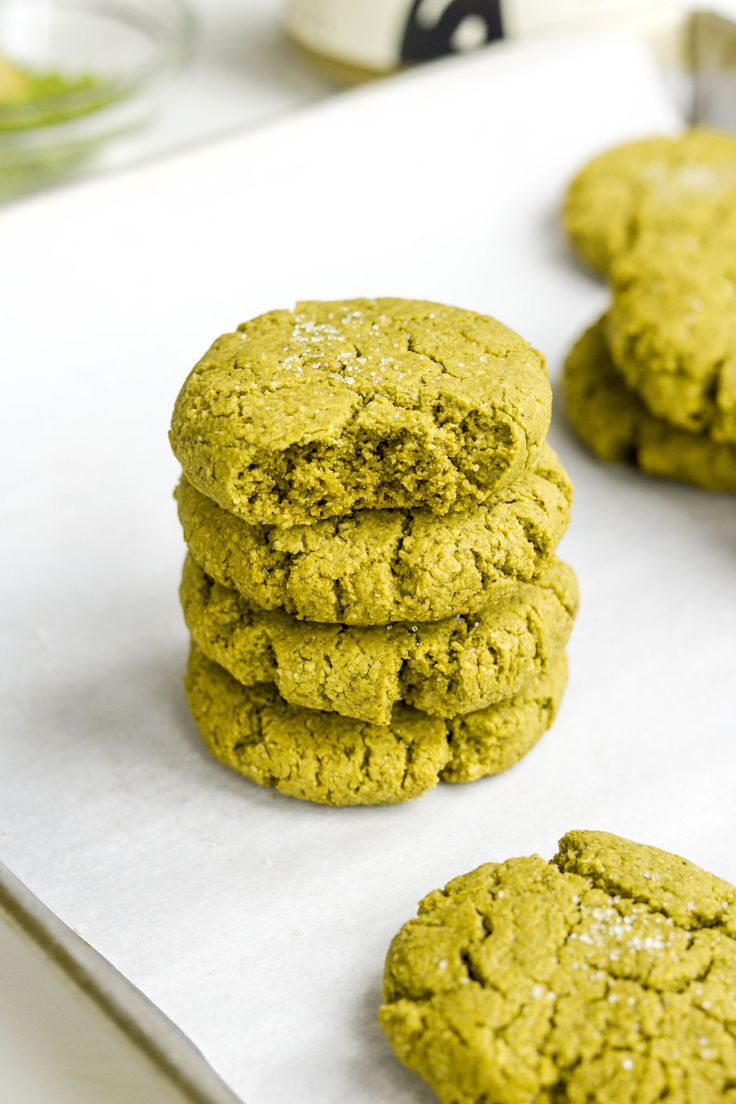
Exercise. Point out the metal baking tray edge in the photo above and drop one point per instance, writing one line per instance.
(144, 1025)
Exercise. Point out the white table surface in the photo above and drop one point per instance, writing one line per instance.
(55, 1046)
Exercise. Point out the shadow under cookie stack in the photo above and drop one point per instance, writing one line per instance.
(372, 516)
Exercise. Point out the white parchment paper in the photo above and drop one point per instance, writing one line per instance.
(257, 923)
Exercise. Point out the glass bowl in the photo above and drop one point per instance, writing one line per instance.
(97, 69)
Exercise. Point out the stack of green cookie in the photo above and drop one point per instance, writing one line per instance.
(654, 381)
(372, 516)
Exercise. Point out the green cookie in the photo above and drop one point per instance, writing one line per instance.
(378, 566)
(384, 403)
(335, 760)
(606, 976)
(667, 186)
(442, 668)
(672, 331)
(613, 422)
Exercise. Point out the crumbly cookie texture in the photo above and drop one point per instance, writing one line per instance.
(606, 976)
(672, 331)
(668, 185)
(377, 566)
(384, 403)
(617, 427)
(442, 668)
(335, 760)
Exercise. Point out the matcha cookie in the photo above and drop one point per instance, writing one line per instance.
(335, 760)
(667, 186)
(606, 976)
(442, 668)
(614, 423)
(333, 407)
(672, 332)
(377, 566)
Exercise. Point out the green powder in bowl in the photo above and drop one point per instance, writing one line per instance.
(78, 75)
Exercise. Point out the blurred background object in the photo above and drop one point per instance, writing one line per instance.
(78, 78)
(75, 74)
(370, 37)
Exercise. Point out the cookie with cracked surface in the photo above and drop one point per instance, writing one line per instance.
(335, 760)
(443, 668)
(377, 566)
(363, 404)
(667, 185)
(606, 975)
(617, 427)
(672, 332)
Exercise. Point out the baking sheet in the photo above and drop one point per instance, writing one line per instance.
(259, 924)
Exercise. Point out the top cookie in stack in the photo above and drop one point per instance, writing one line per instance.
(378, 465)
(334, 407)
